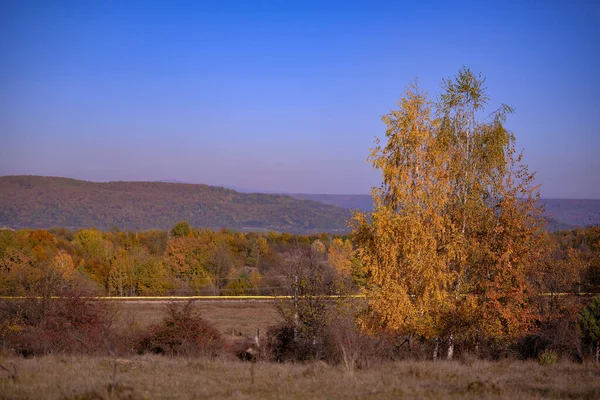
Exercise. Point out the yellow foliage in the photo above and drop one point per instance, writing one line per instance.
(64, 265)
(455, 220)
(255, 279)
(340, 257)
(318, 246)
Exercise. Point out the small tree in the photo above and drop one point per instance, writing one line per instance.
(181, 332)
(181, 229)
(307, 313)
(589, 321)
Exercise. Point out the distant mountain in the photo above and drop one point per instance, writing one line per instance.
(563, 214)
(43, 202)
(362, 202)
(573, 212)
(171, 181)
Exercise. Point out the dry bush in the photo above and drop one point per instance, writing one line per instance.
(341, 342)
(246, 349)
(284, 344)
(559, 334)
(548, 357)
(181, 332)
(72, 323)
(354, 349)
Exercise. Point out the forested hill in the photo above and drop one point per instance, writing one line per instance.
(561, 213)
(43, 202)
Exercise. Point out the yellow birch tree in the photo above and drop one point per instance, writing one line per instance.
(406, 245)
(455, 222)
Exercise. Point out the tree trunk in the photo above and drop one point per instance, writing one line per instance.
(597, 350)
(450, 355)
(436, 348)
(296, 316)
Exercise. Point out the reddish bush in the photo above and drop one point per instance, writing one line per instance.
(72, 323)
(181, 332)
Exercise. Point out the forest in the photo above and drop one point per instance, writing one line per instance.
(189, 261)
(182, 261)
(44, 202)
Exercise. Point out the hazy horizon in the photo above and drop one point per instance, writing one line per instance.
(280, 96)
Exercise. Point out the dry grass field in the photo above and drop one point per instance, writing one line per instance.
(156, 377)
(161, 377)
(241, 317)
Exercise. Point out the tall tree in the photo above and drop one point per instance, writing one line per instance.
(406, 247)
(455, 220)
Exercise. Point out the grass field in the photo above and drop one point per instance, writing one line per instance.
(156, 377)
(228, 317)
(161, 377)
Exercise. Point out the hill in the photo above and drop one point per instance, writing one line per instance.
(561, 213)
(362, 202)
(43, 202)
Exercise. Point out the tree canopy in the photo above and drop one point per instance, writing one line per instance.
(455, 222)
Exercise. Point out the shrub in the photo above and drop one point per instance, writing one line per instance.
(559, 333)
(354, 349)
(285, 344)
(72, 323)
(548, 357)
(340, 342)
(181, 332)
(589, 321)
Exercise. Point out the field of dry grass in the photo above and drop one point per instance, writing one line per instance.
(156, 377)
(161, 377)
(242, 317)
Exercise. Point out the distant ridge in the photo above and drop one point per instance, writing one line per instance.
(563, 214)
(44, 202)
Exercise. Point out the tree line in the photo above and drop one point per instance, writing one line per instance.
(182, 261)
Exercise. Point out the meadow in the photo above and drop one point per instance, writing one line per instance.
(159, 377)
(234, 317)
(61, 376)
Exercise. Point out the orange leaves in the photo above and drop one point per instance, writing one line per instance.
(64, 265)
(340, 256)
(404, 247)
(455, 221)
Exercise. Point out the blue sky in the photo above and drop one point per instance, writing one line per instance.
(283, 96)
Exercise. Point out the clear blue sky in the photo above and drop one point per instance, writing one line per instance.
(283, 95)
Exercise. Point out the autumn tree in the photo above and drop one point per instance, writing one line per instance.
(187, 259)
(455, 221)
(307, 313)
(405, 246)
(339, 255)
(181, 229)
(121, 278)
(63, 264)
(153, 278)
(221, 263)
(258, 247)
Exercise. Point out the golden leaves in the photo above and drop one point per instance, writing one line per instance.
(455, 218)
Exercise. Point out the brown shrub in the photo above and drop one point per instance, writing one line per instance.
(284, 344)
(72, 323)
(181, 332)
(341, 342)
